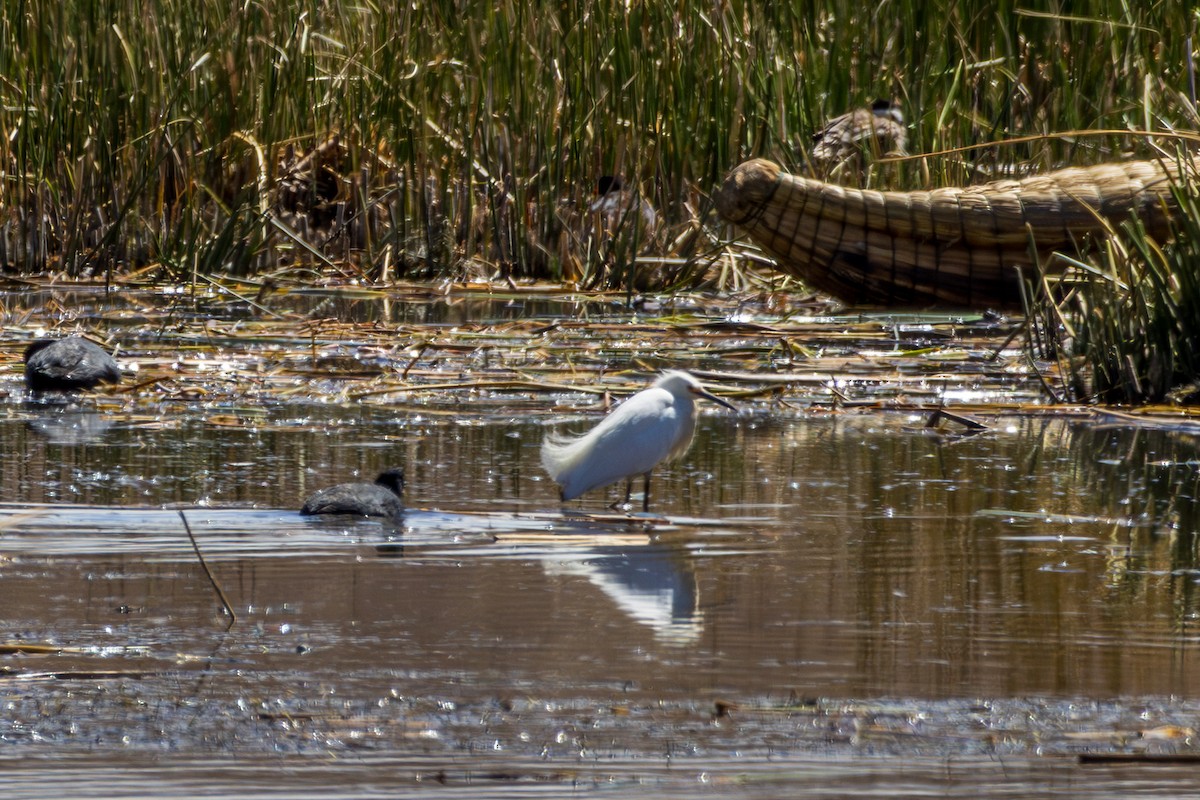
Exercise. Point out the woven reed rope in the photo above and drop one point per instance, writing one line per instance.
(951, 247)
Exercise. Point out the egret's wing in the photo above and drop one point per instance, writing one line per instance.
(640, 433)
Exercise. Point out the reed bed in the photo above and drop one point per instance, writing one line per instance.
(363, 143)
(1127, 326)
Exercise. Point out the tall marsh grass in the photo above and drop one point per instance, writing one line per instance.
(1129, 331)
(457, 139)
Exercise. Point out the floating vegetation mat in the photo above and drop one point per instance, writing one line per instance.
(518, 349)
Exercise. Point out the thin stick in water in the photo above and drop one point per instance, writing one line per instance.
(211, 578)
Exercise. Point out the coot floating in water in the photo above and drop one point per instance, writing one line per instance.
(379, 499)
(68, 365)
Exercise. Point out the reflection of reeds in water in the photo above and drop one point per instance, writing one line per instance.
(1148, 480)
(974, 557)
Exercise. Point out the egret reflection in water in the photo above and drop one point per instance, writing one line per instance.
(654, 586)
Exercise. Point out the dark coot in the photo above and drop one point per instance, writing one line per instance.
(379, 499)
(68, 365)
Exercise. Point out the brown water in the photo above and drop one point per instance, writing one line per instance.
(840, 603)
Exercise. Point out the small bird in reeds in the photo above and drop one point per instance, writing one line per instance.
(878, 130)
(615, 224)
(655, 425)
(383, 498)
(68, 365)
(619, 207)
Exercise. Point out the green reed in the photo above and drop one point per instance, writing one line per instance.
(155, 133)
(1130, 330)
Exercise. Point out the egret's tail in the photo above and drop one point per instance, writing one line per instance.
(560, 457)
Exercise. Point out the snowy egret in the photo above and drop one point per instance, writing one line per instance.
(378, 499)
(880, 127)
(654, 425)
(68, 365)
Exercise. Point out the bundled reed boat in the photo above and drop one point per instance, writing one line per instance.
(963, 247)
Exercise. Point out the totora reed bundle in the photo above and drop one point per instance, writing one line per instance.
(962, 247)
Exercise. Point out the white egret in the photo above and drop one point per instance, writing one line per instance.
(378, 499)
(654, 425)
(68, 365)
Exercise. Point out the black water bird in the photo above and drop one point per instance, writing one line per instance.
(379, 499)
(68, 365)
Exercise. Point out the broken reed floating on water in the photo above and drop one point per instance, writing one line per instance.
(956, 246)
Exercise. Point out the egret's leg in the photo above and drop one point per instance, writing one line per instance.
(617, 504)
(646, 494)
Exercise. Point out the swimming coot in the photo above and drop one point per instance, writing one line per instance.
(68, 365)
(379, 499)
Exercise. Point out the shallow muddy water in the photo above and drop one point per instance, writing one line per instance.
(822, 603)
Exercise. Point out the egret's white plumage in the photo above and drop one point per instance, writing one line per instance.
(655, 425)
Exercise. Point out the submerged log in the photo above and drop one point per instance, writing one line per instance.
(963, 247)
